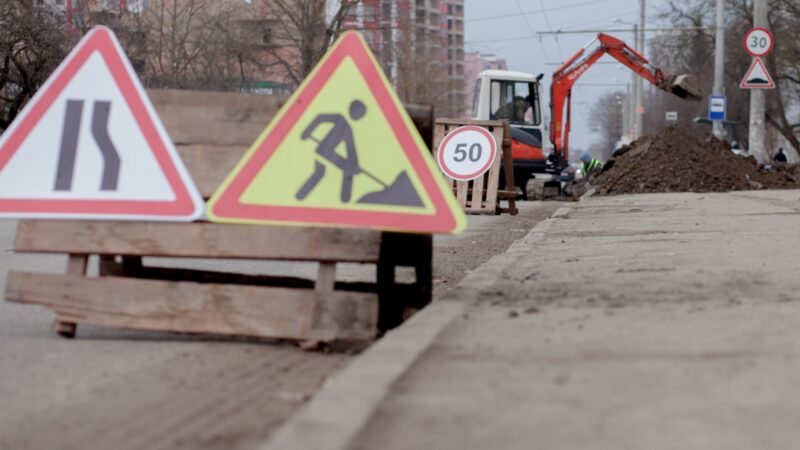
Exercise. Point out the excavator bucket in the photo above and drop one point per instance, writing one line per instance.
(685, 86)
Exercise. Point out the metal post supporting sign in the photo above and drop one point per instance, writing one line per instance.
(716, 107)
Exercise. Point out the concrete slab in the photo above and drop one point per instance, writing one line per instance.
(633, 322)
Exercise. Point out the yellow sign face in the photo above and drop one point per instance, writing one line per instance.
(341, 152)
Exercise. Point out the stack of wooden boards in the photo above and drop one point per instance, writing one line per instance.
(483, 195)
(211, 132)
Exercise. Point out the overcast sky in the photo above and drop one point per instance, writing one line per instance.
(500, 27)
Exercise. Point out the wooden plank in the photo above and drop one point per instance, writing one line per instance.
(204, 240)
(493, 181)
(236, 119)
(326, 277)
(508, 167)
(477, 193)
(438, 137)
(198, 307)
(76, 265)
(462, 193)
(210, 164)
(110, 268)
(219, 118)
(461, 122)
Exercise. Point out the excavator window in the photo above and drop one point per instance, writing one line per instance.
(517, 101)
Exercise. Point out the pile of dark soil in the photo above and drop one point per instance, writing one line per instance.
(672, 160)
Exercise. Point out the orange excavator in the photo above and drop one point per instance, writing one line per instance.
(684, 86)
(515, 96)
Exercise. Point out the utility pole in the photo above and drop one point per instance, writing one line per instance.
(719, 62)
(639, 87)
(757, 97)
(632, 97)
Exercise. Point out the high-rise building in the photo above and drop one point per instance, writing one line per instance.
(453, 29)
(475, 63)
(420, 46)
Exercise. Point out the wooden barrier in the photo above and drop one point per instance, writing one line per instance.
(212, 131)
(482, 195)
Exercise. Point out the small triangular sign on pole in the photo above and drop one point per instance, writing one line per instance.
(341, 152)
(89, 145)
(757, 77)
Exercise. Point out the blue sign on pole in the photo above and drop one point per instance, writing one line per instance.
(716, 107)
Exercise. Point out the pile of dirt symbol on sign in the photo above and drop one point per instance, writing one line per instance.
(671, 160)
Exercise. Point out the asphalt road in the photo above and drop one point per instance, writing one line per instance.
(126, 389)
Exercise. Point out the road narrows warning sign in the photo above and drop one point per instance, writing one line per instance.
(757, 77)
(90, 145)
(341, 152)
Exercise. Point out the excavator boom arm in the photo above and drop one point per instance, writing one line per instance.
(684, 86)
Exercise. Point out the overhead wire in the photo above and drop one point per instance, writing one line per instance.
(533, 33)
(544, 10)
(547, 21)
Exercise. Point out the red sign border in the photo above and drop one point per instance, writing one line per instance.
(771, 42)
(757, 61)
(228, 208)
(99, 39)
(477, 173)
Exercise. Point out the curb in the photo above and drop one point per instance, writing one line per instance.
(343, 407)
(338, 413)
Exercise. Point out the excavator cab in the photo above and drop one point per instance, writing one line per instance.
(514, 96)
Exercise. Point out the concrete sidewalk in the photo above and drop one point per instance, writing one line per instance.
(636, 322)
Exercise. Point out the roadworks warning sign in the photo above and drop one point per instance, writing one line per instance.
(341, 152)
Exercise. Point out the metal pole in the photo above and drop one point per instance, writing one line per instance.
(756, 135)
(627, 120)
(639, 87)
(632, 97)
(719, 59)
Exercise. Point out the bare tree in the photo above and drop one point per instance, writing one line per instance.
(297, 33)
(606, 120)
(691, 51)
(32, 44)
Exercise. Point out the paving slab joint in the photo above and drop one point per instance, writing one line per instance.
(339, 412)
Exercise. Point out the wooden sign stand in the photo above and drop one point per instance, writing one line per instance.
(212, 131)
(482, 195)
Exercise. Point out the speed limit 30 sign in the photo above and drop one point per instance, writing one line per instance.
(467, 153)
(758, 42)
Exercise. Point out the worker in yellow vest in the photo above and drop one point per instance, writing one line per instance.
(590, 165)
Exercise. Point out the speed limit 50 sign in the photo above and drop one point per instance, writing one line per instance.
(758, 42)
(467, 153)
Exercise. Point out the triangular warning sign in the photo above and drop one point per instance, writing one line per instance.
(90, 145)
(757, 77)
(341, 152)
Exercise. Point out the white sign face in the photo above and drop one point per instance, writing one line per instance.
(758, 42)
(467, 153)
(90, 145)
(717, 104)
(672, 116)
(757, 77)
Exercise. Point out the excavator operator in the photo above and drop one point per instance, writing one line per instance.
(514, 110)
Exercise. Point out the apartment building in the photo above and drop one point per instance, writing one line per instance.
(475, 63)
(420, 46)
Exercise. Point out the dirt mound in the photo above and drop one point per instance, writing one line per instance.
(671, 160)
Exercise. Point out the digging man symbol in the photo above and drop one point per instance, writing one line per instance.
(401, 192)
